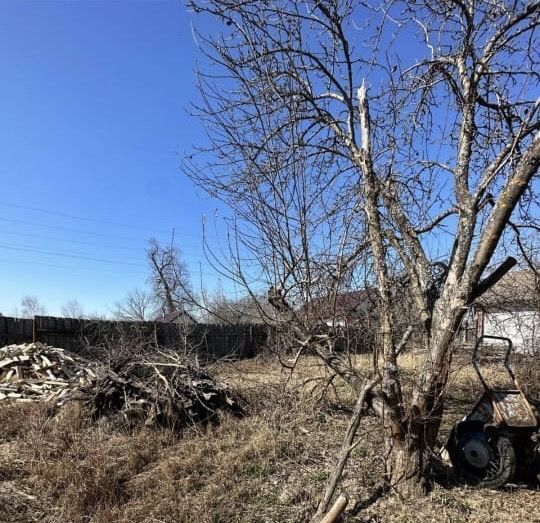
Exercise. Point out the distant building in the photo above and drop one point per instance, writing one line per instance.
(181, 317)
(511, 308)
(346, 308)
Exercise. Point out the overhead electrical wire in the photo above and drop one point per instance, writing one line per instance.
(83, 231)
(65, 267)
(68, 229)
(84, 218)
(80, 255)
(69, 255)
(93, 269)
(94, 244)
(68, 240)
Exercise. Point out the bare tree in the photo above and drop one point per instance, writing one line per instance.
(390, 145)
(138, 305)
(73, 309)
(30, 307)
(169, 277)
(222, 310)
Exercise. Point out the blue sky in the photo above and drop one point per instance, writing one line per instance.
(93, 123)
(94, 99)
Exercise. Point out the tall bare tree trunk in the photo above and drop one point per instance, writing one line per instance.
(409, 452)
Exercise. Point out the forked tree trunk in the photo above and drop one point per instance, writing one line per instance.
(408, 455)
(409, 452)
(409, 458)
(405, 467)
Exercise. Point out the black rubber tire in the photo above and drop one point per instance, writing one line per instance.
(501, 468)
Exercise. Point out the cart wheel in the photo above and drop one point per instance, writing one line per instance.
(484, 459)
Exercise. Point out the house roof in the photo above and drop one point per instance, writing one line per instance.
(347, 305)
(174, 316)
(516, 290)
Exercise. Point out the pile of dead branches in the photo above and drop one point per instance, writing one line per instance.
(155, 389)
(164, 389)
(34, 371)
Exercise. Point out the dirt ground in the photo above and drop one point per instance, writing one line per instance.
(269, 466)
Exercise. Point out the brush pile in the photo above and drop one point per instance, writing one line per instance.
(34, 371)
(161, 389)
(166, 391)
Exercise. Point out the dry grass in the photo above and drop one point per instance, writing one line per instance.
(267, 467)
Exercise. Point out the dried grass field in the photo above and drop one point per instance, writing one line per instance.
(269, 466)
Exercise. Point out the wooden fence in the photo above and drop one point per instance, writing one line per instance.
(211, 341)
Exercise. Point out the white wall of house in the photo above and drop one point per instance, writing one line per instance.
(522, 327)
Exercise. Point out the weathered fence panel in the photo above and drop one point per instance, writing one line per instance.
(15, 330)
(208, 341)
(218, 341)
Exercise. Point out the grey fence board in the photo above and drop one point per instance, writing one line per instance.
(15, 330)
(212, 341)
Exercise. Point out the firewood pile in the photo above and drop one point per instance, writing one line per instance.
(160, 389)
(34, 371)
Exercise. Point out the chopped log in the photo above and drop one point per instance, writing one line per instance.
(14, 395)
(6, 362)
(34, 370)
(337, 508)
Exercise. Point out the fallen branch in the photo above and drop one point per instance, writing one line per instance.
(336, 510)
(346, 448)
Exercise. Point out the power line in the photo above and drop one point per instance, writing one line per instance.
(94, 269)
(75, 217)
(67, 255)
(79, 256)
(81, 231)
(82, 242)
(68, 229)
(69, 240)
(53, 265)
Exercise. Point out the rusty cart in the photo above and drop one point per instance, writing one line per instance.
(499, 439)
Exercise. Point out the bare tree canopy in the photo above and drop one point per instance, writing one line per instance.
(169, 277)
(30, 307)
(73, 309)
(222, 310)
(138, 305)
(395, 143)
